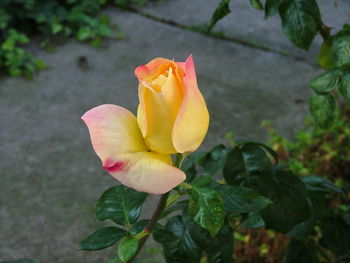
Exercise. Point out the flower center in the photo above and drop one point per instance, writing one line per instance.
(160, 81)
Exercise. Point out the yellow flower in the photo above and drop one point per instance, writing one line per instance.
(172, 114)
(172, 118)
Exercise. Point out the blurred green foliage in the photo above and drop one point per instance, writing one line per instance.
(301, 22)
(15, 59)
(51, 19)
(322, 160)
(260, 211)
(315, 150)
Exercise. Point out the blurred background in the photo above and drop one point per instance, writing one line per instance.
(61, 58)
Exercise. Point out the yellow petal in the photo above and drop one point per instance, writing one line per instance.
(141, 115)
(149, 172)
(160, 101)
(192, 122)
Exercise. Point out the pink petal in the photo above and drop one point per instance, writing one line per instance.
(113, 130)
(118, 142)
(149, 172)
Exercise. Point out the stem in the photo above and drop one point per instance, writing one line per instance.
(179, 159)
(172, 199)
(325, 31)
(186, 185)
(160, 207)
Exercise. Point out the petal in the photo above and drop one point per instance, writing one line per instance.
(151, 70)
(118, 142)
(192, 122)
(148, 172)
(113, 130)
(147, 73)
(172, 91)
(157, 113)
(141, 114)
(181, 66)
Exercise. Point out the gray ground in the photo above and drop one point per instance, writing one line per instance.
(50, 176)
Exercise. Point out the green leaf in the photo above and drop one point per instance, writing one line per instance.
(234, 166)
(290, 205)
(341, 47)
(138, 227)
(220, 12)
(247, 164)
(345, 84)
(261, 145)
(8, 45)
(325, 56)
(206, 208)
(301, 252)
(319, 204)
(319, 183)
(121, 204)
(96, 42)
(123, 3)
(238, 199)
(335, 236)
(178, 244)
(102, 238)
(184, 240)
(104, 30)
(271, 7)
(201, 181)
(14, 72)
(169, 233)
(178, 206)
(322, 108)
(56, 28)
(127, 248)
(253, 220)
(218, 249)
(302, 230)
(257, 4)
(189, 168)
(326, 82)
(346, 218)
(40, 64)
(255, 158)
(214, 160)
(115, 260)
(300, 21)
(84, 33)
(105, 19)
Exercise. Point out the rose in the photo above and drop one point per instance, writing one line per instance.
(172, 114)
(172, 117)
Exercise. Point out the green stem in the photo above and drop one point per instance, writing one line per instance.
(172, 199)
(185, 185)
(160, 208)
(179, 159)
